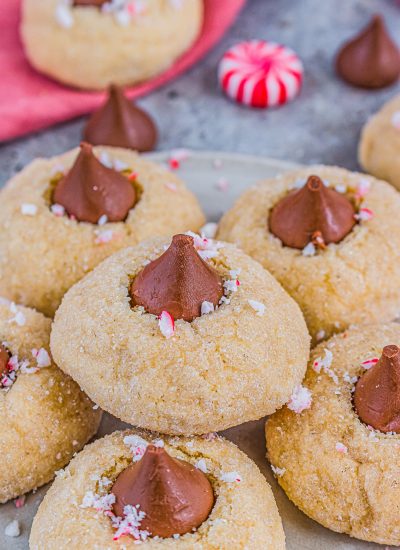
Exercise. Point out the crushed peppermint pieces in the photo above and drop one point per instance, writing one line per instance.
(320, 335)
(364, 215)
(222, 184)
(176, 157)
(12, 529)
(300, 399)
(19, 317)
(102, 220)
(309, 250)
(58, 210)
(42, 357)
(171, 186)
(20, 501)
(201, 465)
(278, 471)
(14, 366)
(258, 307)
(101, 503)
(206, 248)
(341, 448)
(28, 209)
(368, 363)
(103, 237)
(209, 230)
(206, 308)
(166, 324)
(362, 189)
(130, 523)
(137, 446)
(230, 477)
(324, 364)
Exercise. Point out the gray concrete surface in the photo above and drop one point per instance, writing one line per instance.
(322, 125)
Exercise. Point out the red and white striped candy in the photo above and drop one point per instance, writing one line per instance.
(260, 74)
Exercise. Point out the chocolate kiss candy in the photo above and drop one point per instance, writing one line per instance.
(4, 358)
(179, 281)
(97, 3)
(371, 59)
(312, 211)
(175, 496)
(91, 190)
(120, 124)
(377, 393)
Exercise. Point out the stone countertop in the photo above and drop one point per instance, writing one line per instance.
(322, 125)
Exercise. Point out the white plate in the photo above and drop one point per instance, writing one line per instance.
(217, 179)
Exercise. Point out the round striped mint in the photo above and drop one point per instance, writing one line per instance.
(260, 74)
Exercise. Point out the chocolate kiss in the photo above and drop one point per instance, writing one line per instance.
(179, 281)
(175, 496)
(97, 3)
(4, 358)
(312, 210)
(371, 59)
(377, 393)
(120, 124)
(91, 190)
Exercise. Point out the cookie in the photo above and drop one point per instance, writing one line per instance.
(337, 469)
(224, 365)
(123, 42)
(44, 249)
(46, 418)
(380, 143)
(78, 509)
(344, 268)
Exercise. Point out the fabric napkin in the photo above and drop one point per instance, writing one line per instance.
(30, 101)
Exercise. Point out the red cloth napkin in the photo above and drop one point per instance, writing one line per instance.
(30, 101)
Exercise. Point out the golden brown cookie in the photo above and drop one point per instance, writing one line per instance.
(46, 418)
(244, 515)
(352, 281)
(337, 470)
(43, 252)
(119, 42)
(236, 363)
(379, 146)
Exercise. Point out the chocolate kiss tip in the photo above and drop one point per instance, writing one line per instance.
(314, 209)
(179, 281)
(175, 496)
(91, 190)
(120, 123)
(371, 59)
(377, 393)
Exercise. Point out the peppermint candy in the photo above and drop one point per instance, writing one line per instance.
(260, 74)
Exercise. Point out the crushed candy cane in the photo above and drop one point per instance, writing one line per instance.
(102, 503)
(137, 446)
(300, 399)
(230, 477)
(102, 220)
(166, 324)
(177, 157)
(324, 364)
(368, 363)
(278, 471)
(19, 317)
(320, 335)
(309, 250)
(258, 307)
(12, 529)
(63, 14)
(42, 357)
(201, 465)
(20, 501)
(28, 209)
(103, 237)
(206, 248)
(130, 523)
(58, 210)
(363, 188)
(341, 448)
(364, 215)
(209, 230)
(206, 308)
(341, 188)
